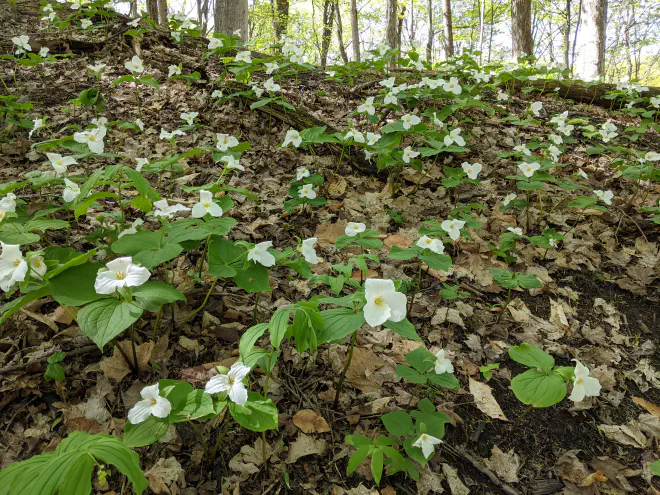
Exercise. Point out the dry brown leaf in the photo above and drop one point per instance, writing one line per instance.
(167, 476)
(650, 407)
(504, 464)
(304, 446)
(327, 233)
(310, 422)
(116, 366)
(397, 240)
(336, 186)
(483, 398)
(456, 486)
(629, 434)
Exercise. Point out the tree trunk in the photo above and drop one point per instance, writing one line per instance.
(429, 43)
(449, 30)
(492, 30)
(399, 29)
(162, 13)
(482, 22)
(392, 28)
(230, 16)
(340, 34)
(567, 36)
(355, 31)
(152, 9)
(521, 29)
(281, 21)
(590, 63)
(328, 16)
(132, 12)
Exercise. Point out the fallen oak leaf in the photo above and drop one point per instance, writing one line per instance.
(483, 398)
(310, 422)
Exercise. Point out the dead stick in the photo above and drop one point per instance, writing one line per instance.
(44, 358)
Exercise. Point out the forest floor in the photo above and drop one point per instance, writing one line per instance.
(599, 300)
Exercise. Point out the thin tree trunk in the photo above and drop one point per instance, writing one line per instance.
(231, 16)
(399, 29)
(152, 9)
(521, 28)
(449, 30)
(328, 16)
(355, 31)
(567, 36)
(575, 36)
(482, 21)
(392, 30)
(429, 43)
(340, 34)
(162, 13)
(281, 18)
(412, 23)
(591, 40)
(492, 29)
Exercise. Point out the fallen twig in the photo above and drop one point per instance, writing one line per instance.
(42, 359)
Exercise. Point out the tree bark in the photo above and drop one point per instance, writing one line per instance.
(429, 43)
(521, 28)
(340, 34)
(449, 30)
(281, 21)
(567, 36)
(328, 16)
(231, 15)
(162, 13)
(590, 63)
(355, 31)
(152, 9)
(392, 28)
(482, 22)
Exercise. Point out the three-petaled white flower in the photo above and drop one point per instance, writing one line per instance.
(605, 196)
(452, 86)
(583, 384)
(225, 141)
(454, 136)
(301, 173)
(8, 204)
(368, 106)
(652, 156)
(502, 96)
(390, 99)
(173, 70)
(60, 163)
(22, 43)
(259, 254)
(71, 191)
(536, 107)
(453, 228)
(292, 137)
(271, 86)
(409, 154)
(373, 138)
(232, 163)
(163, 209)
(528, 168)
(38, 267)
(243, 56)
(508, 198)
(206, 205)
(472, 170)
(214, 43)
(140, 124)
(152, 404)
(44, 51)
(132, 229)
(96, 69)
(141, 162)
(92, 138)
(427, 443)
(13, 266)
(271, 67)
(307, 191)
(231, 383)
(308, 251)
(86, 23)
(443, 363)
(120, 273)
(516, 230)
(387, 83)
(189, 117)
(410, 120)
(521, 148)
(384, 303)
(352, 229)
(357, 136)
(135, 65)
(165, 134)
(435, 245)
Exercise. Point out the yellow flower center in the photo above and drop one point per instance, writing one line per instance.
(379, 301)
(356, 228)
(207, 204)
(153, 402)
(17, 262)
(37, 264)
(120, 275)
(230, 380)
(92, 138)
(428, 241)
(59, 162)
(579, 381)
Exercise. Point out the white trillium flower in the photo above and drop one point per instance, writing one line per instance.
(435, 245)
(368, 154)
(60, 163)
(135, 65)
(165, 134)
(271, 86)
(38, 267)
(206, 205)
(387, 83)
(390, 99)
(13, 266)
(352, 229)
(214, 43)
(409, 154)
(36, 125)
(71, 191)
(583, 384)
(652, 156)
(307, 191)
(331, 73)
(189, 117)
(259, 254)
(368, 106)
(225, 141)
(508, 198)
(452, 86)
(372, 138)
(521, 148)
(217, 93)
(163, 209)
(308, 251)
(454, 136)
(86, 23)
(22, 43)
(554, 152)
(151, 404)
(608, 131)
(528, 169)
(8, 203)
(453, 228)
(565, 129)
(271, 67)
(301, 173)
(502, 96)
(97, 68)
(357, 136)
(384, 303)
(92, 138)
(292, 137)
(556, 139)
(132, 229)
(442, 363)
(120, 273)
(231, 383)
(582, 174)
(409, 120)
(605, 196)
(427, 443)
(244, 56)
(552, 242)
(232, 163)
(559, 119)
(44, 52)
(536, 107)
(472, 170)
(655, 101)
(140, 124)
(141, 162)
(173, 70)
(516, 230)
(134, 23)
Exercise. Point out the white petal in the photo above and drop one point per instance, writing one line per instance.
(199, 210)
(591, 386)
(217, 384)
(374, 314)
(162, 407)
(106, 283)
(150, 392)
(136, 275)
(140, 412)
(215, 210)
(374, 287)
(578, 393)
(397, 303)
(238, 394)
(238, 371)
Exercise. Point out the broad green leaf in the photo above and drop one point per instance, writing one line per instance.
(338, 323)
(538, 389)
(8, 309)
(444, 380)
(403, 328)
(532, 356)
(397, 253)
(198, 404)
(145, 433)
(106, 318)
(75, 286)
(254, 278)
(357, 458)
(398, 423)
(250, 337)
(409, 374)
(421, 359)
(158, 293)
(259, 414)
(440, 262)
(278, 325)
(377, 465)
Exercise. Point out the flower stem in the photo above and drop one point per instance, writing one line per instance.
(124, 355)
(508, 300)
(208, 294)
(201, 261)
(201, 439)
(340, 383)
(135, 360)
(256, 305)
(225, 427)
